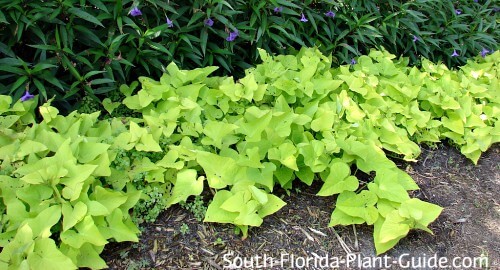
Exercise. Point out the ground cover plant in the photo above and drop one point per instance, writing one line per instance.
(68, 182)
(78, 50)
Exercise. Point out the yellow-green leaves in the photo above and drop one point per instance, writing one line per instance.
(352, 207)
(46, 255)
(217, 132)
(186, 184)
(339, 180)
(290, 117)
(220, 171)
(244, 208)
(58, 164)
(412, 214)
(286, 154)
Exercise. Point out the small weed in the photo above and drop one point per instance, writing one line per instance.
(136, 265)
(450, 161)
(219, 242)
(196, 207)
(123, 254)
(184, 229)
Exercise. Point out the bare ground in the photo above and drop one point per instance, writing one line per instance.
(468, 227)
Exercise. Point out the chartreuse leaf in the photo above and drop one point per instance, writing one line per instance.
(387, 186)
(109, 198)
(186, 184)
(286, 119)
(216, 131)
(340, 218)
(86, 232)
(286, 154)
(43, 222)
(110, 106)
(380, 246)
(422, 213)
(305, 175)
(217, 214)
(46, 255)
(75, 179)
(220, 171)
(263, 176)
(254, 122)
(338, 180)
(394, 227)
(27, 147)
(360, 205)
(323, 119)
(73, 214)
(117, 229)
(85, 256)
(48, 112)
(15, 252)
(272, 205)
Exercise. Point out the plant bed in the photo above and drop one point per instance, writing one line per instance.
(72, 184)
(468, 226)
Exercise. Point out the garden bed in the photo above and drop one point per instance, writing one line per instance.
(468, 226)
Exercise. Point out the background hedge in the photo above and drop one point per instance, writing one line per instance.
(82, 50)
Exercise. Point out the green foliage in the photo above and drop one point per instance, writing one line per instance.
(196, 207)
(85, 48)
(58, 209)
(184, 229)
(296, 117)
(69, 182)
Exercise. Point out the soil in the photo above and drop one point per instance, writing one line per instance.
(468, 228)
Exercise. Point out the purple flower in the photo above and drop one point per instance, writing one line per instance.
(458, 11)
(232, 35)
(353, 61)
(330, 14)
(209, 22)
(454, 54)
(484, 52)
(303, 18)
(170, 23)
(475, 1)
(278, 9)
(27, 96)
(135, 12)
(415, 38)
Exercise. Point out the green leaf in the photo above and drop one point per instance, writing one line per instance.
(217, 131)
(86, 232)
(88, 151)
(109, 198)
(273, 204)
(286, 154)
(386, 185)
(382, 247)
(214, 211)
(48, 112)
(454, 123)
(44, 221)
(73, 214)
(359, 205)
(117, 229)
(84, 15)
(220, 171)
(422, 212)
(394, 227)
(46, 255)
(186, 185)
(338, 180)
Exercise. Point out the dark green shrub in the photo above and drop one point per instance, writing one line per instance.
(72, 49)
